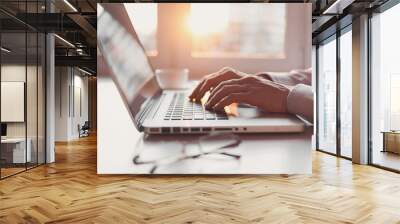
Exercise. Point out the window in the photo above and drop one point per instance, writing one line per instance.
(346, 94)
(385, 87)
(334, 94)
(206, 37)
(144, 19)
(327, 96)
(394, 101)
(245, 30)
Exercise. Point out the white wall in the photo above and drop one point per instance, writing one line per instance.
(12, 73)
(61, 103)
(13, 101)
(71, 103)
(81, 103)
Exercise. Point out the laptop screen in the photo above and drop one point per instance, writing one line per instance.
(125, 57)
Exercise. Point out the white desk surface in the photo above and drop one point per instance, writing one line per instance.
(118, 141)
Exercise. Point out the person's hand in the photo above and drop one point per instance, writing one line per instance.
(252, 90)
(212, 80)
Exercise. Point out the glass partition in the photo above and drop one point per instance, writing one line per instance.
(327, 96)
(14, 153)
(22, 88)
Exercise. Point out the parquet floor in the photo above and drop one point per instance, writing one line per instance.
(10, 171)
(70, 191)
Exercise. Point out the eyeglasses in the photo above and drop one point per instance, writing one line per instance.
(213, 146)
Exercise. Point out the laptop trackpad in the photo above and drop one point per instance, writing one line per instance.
(250, 112)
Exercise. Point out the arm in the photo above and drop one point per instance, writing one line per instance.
(264, 94)
(300, 99)
(272, 92)
(300, 102)
(291, 78)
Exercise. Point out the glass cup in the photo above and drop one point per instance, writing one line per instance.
(172, 78)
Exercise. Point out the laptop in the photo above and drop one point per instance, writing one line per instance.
(158, 111)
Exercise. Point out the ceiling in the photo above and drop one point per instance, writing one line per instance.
(75, 21)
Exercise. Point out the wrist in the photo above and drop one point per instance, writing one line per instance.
(264, 76)
(285, 94)
(280, 98)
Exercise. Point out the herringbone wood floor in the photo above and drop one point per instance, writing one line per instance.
(70, 191)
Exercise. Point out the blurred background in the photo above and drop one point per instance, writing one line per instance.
(205, 37)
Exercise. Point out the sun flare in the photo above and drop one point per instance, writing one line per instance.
(206, 19)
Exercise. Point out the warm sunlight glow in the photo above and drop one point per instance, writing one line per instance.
(237, 30)
(205, 19)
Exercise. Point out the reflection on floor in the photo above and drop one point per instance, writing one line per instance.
(387, 159)
(347, 152)
(10, 169)
(70, 191)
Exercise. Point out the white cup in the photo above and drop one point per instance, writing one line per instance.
(172, 78)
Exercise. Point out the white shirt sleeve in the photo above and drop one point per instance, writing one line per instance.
(300, 102)
(300, 98)
(292, 78)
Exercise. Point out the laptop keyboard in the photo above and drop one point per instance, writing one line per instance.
(183, 109)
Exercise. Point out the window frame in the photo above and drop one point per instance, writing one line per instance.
(371, 13)
(329, 39)
(347, 27)
(342, 32)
